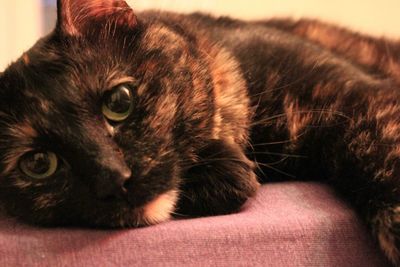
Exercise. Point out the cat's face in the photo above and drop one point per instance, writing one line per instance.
(96, 120)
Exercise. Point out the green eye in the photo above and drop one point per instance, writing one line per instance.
(118, 104)
(39, 165)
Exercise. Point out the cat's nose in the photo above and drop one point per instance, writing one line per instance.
(112, 185)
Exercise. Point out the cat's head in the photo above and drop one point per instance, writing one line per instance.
(98, 119)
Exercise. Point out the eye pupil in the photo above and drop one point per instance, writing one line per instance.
(117, 104)
(38, 163)
(119, 101)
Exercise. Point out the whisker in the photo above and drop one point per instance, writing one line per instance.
(179, 214)
(258, 167)
(279, 154)
(207, 161)
(278, 162)
(279, 142)
(319, 111)
(277, 170)
(271, 118)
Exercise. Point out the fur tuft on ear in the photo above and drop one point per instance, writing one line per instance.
(76, 16)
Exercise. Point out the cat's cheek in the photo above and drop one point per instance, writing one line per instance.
(160, 209)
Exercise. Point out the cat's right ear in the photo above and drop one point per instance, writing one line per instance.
(75, 17)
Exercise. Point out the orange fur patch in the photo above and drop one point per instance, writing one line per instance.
(11, 159)
(230, 97)
(26, 59)
(367, 53)
(389, 110)
(141, 89)
(384, 222)
(391, 130)
(393, 67)
(22, 131)
(160, 208)
(160, 37)
(166, 109)
(297, 121)
(323, 35)
(323, 91)
(337, 39)
(45, 201)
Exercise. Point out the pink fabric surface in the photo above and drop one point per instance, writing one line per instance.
(287, 224)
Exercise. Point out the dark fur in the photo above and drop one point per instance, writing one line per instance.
(301, 99)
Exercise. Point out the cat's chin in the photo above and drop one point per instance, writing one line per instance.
(159, 209)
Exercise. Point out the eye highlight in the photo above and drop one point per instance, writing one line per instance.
(118, 103)
(39, 165)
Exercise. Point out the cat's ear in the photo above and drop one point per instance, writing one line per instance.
(77, 16)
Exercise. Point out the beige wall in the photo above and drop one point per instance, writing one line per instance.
(20, 23)
(373, 16)
(20, 26)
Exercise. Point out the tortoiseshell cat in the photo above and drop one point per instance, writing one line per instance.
(115, 120)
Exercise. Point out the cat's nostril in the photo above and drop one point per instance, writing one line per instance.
(125, 180)
(115, 186)
(127, 184)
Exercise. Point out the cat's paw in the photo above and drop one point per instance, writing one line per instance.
(220, 183)
(386, 227)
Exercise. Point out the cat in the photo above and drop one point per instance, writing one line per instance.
(124, 119)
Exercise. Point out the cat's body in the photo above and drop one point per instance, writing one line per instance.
(116, 121)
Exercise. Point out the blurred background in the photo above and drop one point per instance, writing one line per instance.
(22, 22)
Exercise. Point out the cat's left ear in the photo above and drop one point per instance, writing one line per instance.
(75, 17)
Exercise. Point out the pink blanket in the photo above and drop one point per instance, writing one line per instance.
(287, 224)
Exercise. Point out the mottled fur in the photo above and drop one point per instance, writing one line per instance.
(216, 101)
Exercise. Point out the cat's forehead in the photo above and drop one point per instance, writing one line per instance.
(28, 96)
(44, 72)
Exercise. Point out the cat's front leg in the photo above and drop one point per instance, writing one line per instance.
(219, 183)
